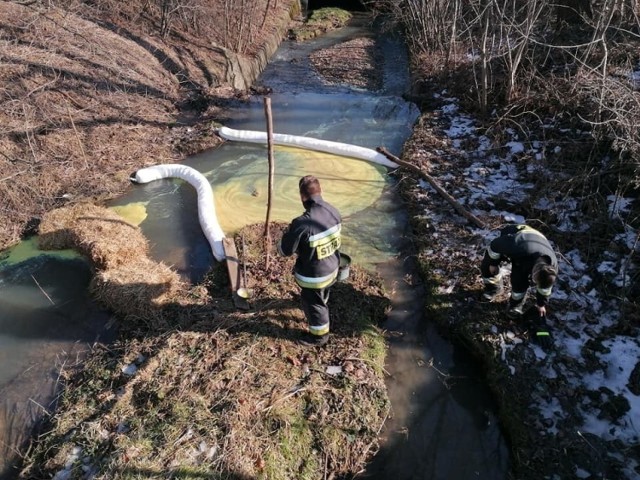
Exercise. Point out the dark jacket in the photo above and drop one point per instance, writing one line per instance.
(315, 237)
(523, 245)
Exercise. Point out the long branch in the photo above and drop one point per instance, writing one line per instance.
(432, 181)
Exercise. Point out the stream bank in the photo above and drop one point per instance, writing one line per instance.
(121, 440)
(434, 229)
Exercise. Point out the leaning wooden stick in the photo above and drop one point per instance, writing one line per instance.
(454, 203)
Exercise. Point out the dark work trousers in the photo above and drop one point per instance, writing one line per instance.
(316, 309)
(519, 280)
(519, 277)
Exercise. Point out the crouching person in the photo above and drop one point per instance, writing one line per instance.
(533, 262)
(314, 237)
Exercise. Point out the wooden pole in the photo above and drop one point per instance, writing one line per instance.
(432, 181)
(267, 234)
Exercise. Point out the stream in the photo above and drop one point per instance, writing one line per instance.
(443, 423)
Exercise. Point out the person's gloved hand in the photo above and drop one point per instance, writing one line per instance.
(542, 336)
(541, 333)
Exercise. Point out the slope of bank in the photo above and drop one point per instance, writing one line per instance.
(570, 410)
(90, 93)
(196, 388)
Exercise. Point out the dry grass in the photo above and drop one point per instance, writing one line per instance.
(216, 392)
(90, 93)
(127, 281)
(97, 232)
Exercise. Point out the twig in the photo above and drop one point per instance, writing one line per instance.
(14, 175)
(326, 465)
(295, 390)
(26, 132)
(84, 155)
(43, 408)
(364, 360)
(42, 290)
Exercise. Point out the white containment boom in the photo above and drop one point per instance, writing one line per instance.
(337, 148)
(206, 207)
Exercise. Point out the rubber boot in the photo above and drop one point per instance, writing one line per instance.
(516, 307)
(492, 288)
(309, 340)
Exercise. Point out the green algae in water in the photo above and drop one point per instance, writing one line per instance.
(134, 213)
(28, 249)
(355, 187)
(349, 184)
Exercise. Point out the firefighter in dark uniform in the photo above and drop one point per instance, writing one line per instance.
(533, 261)
(315, 237)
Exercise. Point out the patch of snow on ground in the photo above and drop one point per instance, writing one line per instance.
(551, 411)
(570, 218)
(623, 353)
(580, 313)
(496, 179)
(618, 205)
(515, 147)
(635, 78)
(460, 127)
(630, 238)
(580, 473)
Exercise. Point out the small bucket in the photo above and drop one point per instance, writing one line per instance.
(343, 269)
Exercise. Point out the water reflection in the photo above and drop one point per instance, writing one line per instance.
(47, 323)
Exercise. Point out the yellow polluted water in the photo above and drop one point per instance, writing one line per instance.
(349, 184)
(241, 196)
(29, 249)
(134, 213)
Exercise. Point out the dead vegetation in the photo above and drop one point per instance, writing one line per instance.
(448, 247)
(91, 91)
(534, 65)
(195, 387)
(357, 63)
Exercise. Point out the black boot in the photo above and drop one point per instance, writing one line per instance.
(490, 293)
(309, 340)
(516, 307)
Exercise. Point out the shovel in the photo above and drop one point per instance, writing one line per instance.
(244, 292)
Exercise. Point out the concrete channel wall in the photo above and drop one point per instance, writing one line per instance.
(241, 70)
